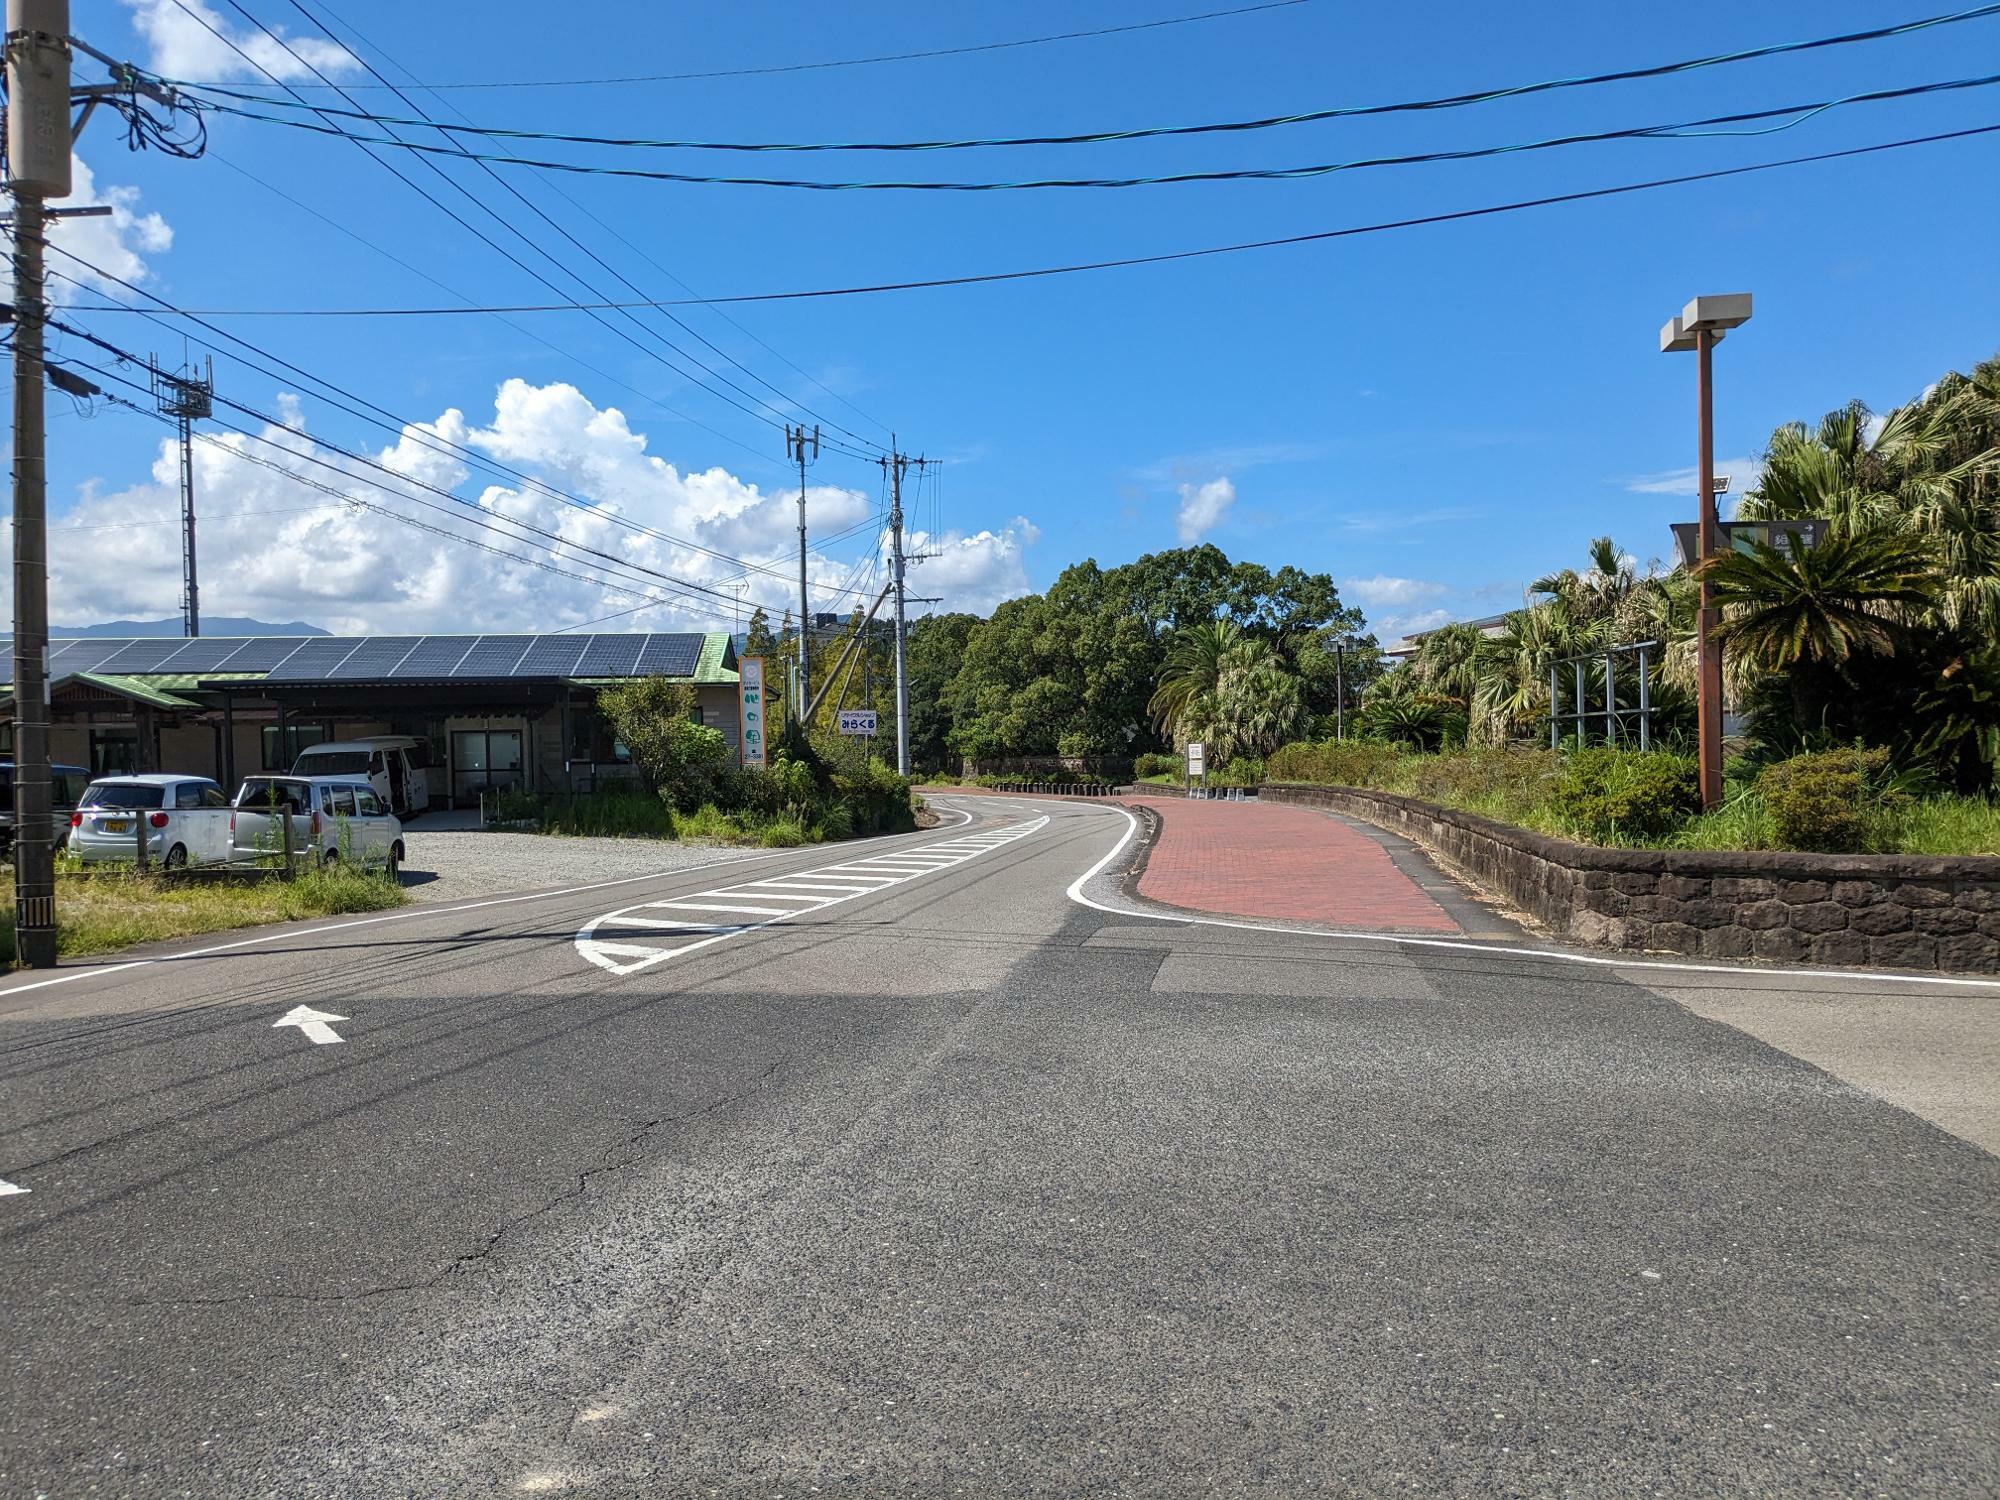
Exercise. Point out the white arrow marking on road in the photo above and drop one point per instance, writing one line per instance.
(312, 1023)
(7, 1187)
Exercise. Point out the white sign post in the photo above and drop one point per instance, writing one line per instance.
(1197, 764)
(857, 721)
(750, 700)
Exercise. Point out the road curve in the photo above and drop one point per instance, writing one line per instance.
(980, 1179)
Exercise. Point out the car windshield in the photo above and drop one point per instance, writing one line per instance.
(333, 762)
(262, 791)
(123, 794)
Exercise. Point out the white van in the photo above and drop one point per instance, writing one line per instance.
(397, 766)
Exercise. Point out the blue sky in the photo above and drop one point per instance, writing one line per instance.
(1436, 414)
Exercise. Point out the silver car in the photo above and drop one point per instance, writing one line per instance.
(332, 818)
(184, 820)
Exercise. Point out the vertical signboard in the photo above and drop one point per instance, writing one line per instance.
(750, 697)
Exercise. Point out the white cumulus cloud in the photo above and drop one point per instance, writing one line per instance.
(1202, 507)
(115, 244)
(1388, 627)
(1382, 589)
(276, 546)
(190, 40)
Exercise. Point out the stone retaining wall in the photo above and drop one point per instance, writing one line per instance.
(1877, 910)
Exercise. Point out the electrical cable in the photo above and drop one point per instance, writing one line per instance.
(467, 226)
(859, 62)
(490, 521)
(774, 420)
(1073, 268)
(586, 212)
(1150, 132)
(1804, 112)
(404, 428)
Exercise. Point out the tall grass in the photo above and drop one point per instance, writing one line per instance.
(103, 912)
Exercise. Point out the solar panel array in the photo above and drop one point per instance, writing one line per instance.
(375, 658)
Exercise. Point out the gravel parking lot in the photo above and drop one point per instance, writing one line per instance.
(451, 865)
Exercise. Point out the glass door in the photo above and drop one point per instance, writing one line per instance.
(485, 760)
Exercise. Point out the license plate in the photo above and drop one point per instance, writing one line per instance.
(119, 826)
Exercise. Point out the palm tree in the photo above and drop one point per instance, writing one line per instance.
(1819, 605)
(1193, 667)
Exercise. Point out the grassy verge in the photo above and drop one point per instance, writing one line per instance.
(1518, 786)
(103, 913)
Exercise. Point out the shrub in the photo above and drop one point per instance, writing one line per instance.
(1334, 762)
(782, 833)
(1605, 794)
(1828, 800)
(660, 723)
(1151, 764)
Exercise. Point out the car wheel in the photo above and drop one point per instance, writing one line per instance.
(177, 857)
(329, 859)
(396, 861)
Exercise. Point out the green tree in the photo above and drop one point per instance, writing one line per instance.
(659, 722)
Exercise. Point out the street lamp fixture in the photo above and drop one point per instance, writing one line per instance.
(1699, 327)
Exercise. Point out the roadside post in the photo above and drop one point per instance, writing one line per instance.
(139, 840)
(1197, 766)
(285, 824)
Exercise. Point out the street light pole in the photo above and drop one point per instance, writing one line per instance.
(1699, 328)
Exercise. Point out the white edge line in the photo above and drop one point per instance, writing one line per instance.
(586, 938)
(1596, 960)
(97, 971)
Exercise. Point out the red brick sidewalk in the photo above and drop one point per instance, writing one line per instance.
(1245, 859)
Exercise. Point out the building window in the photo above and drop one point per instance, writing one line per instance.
(282, 749)
(114, 752)
(7, 738)
(591, 739)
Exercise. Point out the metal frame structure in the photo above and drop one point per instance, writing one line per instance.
(1611, 715)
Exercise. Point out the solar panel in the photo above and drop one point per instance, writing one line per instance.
(374, 657)
(669, 656)
(610, 656)
(263, 654)
(315, 658)
(204, 655)
(435, 656)
(85, 655)
(134, 656)
(494, 656)
(551, 656)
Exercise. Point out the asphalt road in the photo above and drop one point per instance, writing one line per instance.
(941, 1181)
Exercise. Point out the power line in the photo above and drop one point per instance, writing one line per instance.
(652, 261)
(379, 416)
(471, 229)
(1073, 268)
(1149, 132)
(1805, 111)
(773, 419)
(860, 62)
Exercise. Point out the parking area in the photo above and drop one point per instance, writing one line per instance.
(446, 863)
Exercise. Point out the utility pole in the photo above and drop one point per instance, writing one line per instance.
(896, 465)
(796, 443)
(38, 156)
(186, 398)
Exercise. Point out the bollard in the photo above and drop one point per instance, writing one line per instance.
(285, 824)
(139, 840)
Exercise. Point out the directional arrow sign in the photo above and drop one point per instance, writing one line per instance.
(7, 1187)
(311, 1022)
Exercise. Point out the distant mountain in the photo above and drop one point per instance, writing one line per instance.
(213, 625)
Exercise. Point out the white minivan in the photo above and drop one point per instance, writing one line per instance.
(396, 765)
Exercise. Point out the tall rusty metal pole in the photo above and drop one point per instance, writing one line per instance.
(1708, 721)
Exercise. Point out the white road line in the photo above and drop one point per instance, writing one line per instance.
(1605, 961)
(629, 957)
(738, 906)
(834, 890)
(628, 920)
(407, 914)
(7, 1188)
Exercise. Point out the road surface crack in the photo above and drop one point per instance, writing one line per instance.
(613, 1159)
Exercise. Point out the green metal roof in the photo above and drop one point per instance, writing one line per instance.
(718, 659)
(145, 690)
